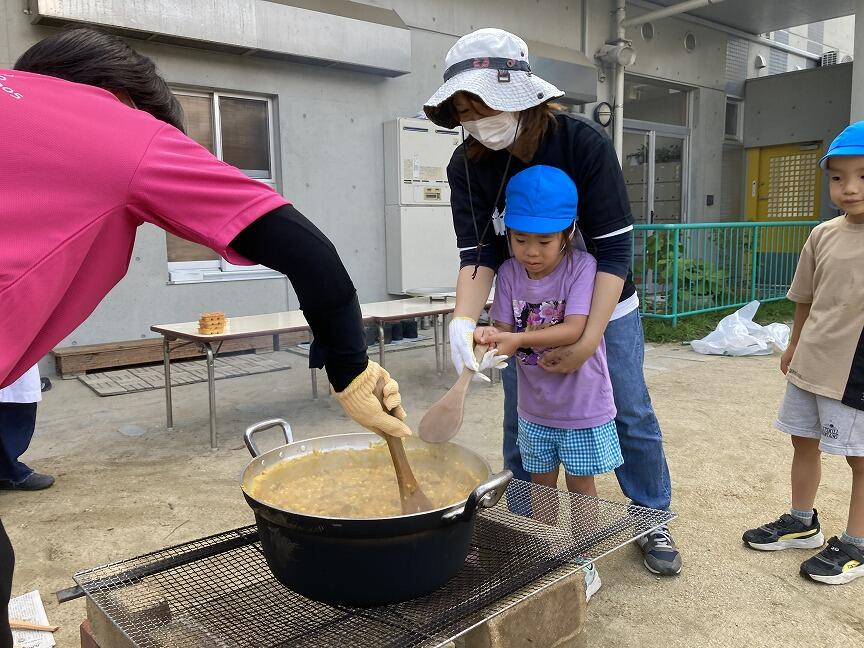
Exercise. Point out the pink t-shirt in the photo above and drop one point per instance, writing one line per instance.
(79, 172)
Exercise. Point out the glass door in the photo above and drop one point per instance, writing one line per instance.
(668, 171)
(637, 176)
(653, 166)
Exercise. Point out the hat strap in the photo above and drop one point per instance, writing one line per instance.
(495, 63)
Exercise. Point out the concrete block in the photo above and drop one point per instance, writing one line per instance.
(553, 618)
(87, 640)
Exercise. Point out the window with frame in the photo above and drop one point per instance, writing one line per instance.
(734, 120)
(237, 129)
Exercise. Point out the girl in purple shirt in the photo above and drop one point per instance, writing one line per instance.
(542, 299)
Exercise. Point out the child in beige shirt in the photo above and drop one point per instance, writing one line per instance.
(823, 409)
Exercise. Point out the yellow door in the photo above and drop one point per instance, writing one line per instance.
(784, 183)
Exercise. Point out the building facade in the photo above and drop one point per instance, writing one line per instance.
(297, 95)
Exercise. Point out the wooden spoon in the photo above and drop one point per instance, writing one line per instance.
(413, 499)
(444, 419)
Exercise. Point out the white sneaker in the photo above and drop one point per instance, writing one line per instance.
(592, 581)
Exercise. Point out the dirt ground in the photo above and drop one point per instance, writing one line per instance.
(119, 496)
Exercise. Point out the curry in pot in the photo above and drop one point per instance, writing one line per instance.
(353, 483)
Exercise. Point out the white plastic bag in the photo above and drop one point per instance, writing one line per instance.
(738, 335)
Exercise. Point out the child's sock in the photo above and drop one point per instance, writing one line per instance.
(853, 540)
(805, 516)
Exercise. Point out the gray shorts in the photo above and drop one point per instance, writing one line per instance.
(839, 428)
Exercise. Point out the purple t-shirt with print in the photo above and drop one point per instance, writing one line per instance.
(570, 401)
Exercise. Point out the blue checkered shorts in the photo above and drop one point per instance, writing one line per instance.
(590, 451)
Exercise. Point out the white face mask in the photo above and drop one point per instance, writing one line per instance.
(496, 132)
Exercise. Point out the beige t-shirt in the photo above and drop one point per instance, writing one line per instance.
(829, 358)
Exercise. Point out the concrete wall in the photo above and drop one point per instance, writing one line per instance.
(806, 106)
(809, 105)
(857, 108)
(330, 142)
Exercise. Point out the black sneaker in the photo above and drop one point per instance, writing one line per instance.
(838, 563)
(786, 533)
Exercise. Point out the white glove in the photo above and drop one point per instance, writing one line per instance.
(490, 360)
(461, 332)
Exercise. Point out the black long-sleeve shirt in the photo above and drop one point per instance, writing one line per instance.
(581, 149)
(288, 242)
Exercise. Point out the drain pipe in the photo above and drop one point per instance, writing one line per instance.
(618, 102)
(665, 12)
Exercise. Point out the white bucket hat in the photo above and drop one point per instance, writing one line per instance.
(493, 65)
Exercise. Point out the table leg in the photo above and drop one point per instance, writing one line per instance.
(381, 343)
(437, 350)
(445, 340)
(166, 359)
(211, 385)
(314, 383)
(276, 342)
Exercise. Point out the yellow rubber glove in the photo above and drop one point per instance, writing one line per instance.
(360, 402)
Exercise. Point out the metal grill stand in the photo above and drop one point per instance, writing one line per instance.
(218, 591)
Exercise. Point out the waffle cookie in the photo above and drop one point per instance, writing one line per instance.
(212, 323)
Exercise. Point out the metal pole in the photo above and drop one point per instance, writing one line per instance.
(437, 351)
(675, 279)
(166, 359)
(211, 386)
(753, 258)
(314, 383)
(665, 12)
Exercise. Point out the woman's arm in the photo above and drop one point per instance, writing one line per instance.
(288, 242)
(567, 359)
(472, 292)
(565, 333)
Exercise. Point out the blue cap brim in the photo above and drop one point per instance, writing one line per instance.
(841, 151)
(535, 225)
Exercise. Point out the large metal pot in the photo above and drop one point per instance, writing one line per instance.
(364, 562)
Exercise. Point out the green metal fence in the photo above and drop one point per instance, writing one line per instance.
(682, 270)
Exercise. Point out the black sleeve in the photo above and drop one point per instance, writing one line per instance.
(288, 242)
(603, 204)
(467, 230)
(614, 253)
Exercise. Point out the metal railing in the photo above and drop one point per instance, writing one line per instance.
(682, 270)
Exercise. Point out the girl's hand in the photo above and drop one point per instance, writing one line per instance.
(786, 358)
(505, 343)
(484, 334)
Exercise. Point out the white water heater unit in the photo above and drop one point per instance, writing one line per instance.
(421, 243)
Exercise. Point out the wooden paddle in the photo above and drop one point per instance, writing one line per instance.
(18, 624)
(413, 499)
(444, 419)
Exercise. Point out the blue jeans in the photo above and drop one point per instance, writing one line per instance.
(17, 422)
(644, 475)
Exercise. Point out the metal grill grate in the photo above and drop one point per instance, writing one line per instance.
(218, 591)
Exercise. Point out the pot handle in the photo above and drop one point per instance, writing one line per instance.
(486, 495)
(266, 425)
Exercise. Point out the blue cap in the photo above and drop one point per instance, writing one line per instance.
(540, 200)
(849, 142)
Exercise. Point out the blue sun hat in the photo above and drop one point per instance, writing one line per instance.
(540, 200)
(850, 142)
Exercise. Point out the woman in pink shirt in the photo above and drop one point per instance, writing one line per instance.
(92, 148)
